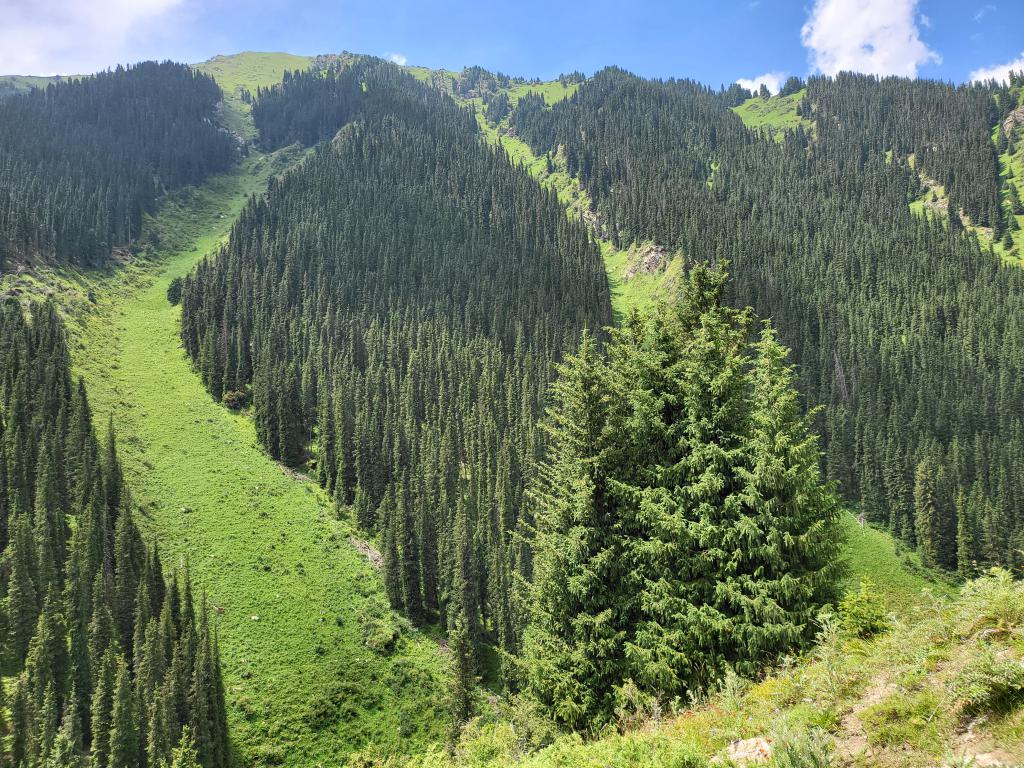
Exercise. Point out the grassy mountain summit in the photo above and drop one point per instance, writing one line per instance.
(242, 73)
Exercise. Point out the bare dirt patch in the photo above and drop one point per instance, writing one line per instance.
(368, 551)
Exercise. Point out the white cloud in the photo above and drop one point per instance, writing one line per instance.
(982, 12)
(875, 36)
(398, 58)
(771, 80)
(999, 72)
(924, 21)
(74, 37)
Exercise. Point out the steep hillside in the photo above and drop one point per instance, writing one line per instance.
(83, 161)
(635, 279)
(315, 662)
(86, 601)
(396, 329)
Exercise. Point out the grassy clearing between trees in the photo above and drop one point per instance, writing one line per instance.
(777, 113)
(315, 662)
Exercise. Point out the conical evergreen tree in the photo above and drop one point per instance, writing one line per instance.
(683, 528)
(573, 647)
(185, 755)
(22, 597)
(125, 749)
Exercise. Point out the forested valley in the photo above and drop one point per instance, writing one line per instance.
(602, 533)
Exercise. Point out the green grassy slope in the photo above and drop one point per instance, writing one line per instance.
(248, 70)
(315, 663)
(941, 687)
(10, 84)
(553, 91)
(933, 203)
(896, 572)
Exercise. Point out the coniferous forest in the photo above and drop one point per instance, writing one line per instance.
(905, 327)
(114, 662)
(393, 307)
(82, 161)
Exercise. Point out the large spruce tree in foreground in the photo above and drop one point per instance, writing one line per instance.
(683, 527)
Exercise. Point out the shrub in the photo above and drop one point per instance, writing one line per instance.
(634, 707)
(862, 612)
(236, 399)
(990, 683)
(174, 291)
(380, 636)
(904, 719)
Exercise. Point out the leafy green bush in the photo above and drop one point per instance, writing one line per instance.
(380, 635)
(990, 683)
(862, 612)
(634, 707)
(236, 399)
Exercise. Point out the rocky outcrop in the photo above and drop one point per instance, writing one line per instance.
(1015, 118)
(646, 260)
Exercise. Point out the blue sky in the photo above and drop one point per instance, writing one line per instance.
(714, 41)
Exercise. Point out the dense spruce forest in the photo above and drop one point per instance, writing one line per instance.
(905, 327)
(82, 161)
(394, 307)
(113, 662)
